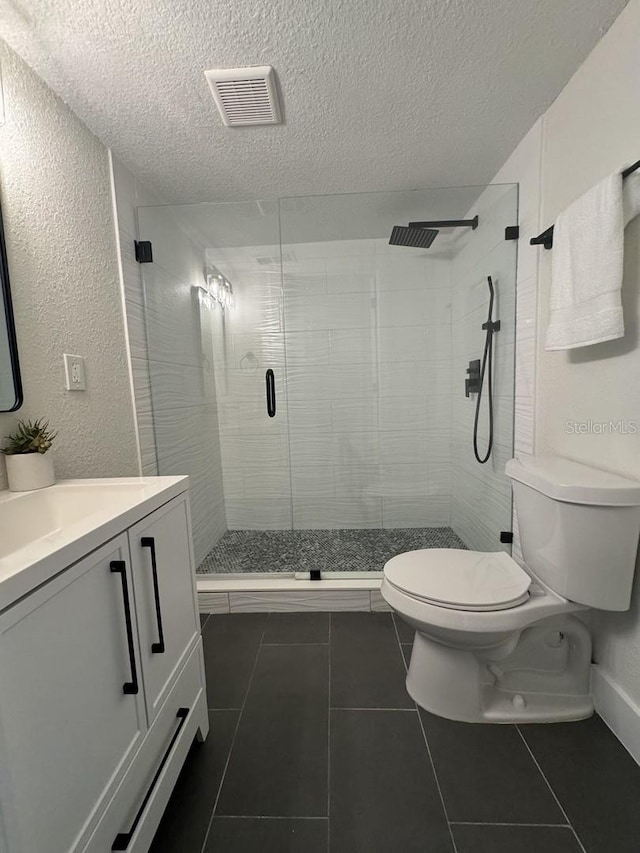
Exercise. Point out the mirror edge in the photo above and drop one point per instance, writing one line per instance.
(9, 319)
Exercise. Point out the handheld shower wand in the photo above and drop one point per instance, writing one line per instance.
(486, 369)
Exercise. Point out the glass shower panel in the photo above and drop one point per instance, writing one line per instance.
(363, 349)
(380, 429)
(481, 502)
(213, 307)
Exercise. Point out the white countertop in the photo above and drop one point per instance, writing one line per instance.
(45, 531)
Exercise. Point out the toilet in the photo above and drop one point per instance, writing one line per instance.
(500, 642)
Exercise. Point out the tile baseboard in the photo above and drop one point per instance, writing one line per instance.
(213, 602)
(283, 602)
(292, 600)
(378, 604)
(618, 710)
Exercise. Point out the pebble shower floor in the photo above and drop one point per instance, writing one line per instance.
(327, 550)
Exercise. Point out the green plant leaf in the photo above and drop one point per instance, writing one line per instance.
(29, 437)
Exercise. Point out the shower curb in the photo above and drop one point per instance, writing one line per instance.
(288, 595)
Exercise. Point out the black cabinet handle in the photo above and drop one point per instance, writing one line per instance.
(129, 687)
(271, 393)
(150, 543)
(123, 839)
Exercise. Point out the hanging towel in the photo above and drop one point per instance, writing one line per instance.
(588, 247)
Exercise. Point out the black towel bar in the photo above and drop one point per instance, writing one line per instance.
(546, 238)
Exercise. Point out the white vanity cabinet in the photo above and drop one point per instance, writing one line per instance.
(68, 728)
(167, 620)
(101, 692)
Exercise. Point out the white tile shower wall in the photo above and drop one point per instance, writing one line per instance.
(365, 415)
(171, 354)
(481, 494)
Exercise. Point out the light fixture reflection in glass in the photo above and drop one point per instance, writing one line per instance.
(207, 301)
(221, 290)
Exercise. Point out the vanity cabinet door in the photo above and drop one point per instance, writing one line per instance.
(164, 583)
(71, 705)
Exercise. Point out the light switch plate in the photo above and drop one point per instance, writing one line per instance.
(74, 372)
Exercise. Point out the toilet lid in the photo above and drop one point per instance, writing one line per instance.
(460, 580)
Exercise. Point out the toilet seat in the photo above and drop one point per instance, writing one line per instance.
(459, 580)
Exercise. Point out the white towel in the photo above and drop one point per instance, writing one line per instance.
(586, 277)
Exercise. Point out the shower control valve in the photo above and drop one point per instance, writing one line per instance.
(472, 383)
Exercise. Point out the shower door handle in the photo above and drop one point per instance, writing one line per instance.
(271, 393)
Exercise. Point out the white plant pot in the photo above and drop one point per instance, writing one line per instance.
(29, 471)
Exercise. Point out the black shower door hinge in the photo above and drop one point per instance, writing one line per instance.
(506, 537)
(144, 253)
(512, 232)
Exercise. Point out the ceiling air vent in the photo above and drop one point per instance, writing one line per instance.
(245, 95)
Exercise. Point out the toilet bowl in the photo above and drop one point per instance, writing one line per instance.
(499, 641)
(471, 611)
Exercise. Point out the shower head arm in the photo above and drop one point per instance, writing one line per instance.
(447, 223)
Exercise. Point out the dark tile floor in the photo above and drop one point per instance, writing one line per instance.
(315, 746)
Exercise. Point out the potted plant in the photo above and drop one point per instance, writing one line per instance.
(29, 465)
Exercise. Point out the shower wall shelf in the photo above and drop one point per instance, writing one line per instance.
(546, 238)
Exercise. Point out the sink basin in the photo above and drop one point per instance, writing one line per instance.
(28, 516)
(44, 531)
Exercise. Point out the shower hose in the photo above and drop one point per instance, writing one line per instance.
(486, 369)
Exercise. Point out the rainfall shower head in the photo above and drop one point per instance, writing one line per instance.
(420, 235)
(419, 238)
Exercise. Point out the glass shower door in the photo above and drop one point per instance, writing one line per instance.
(214, 318)
(331, 372)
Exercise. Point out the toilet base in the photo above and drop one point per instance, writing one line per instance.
(544, 678)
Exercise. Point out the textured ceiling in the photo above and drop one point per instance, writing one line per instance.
(377, 94)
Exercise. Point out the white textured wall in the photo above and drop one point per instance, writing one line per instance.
(592, 129)
(56, 203)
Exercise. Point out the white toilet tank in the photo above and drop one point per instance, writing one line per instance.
(579, 528)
